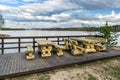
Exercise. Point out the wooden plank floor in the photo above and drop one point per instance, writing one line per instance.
(16, 64)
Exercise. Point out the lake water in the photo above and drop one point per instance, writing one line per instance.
(47, 33)
(44, 33)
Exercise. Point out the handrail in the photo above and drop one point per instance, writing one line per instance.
(19, 41)
(15, 37)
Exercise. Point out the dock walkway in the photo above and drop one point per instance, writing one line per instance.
(16, 64)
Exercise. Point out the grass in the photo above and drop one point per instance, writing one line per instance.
(91, 77)
(113, 71)
(44, 77)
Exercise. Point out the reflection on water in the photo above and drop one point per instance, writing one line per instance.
(43, 33)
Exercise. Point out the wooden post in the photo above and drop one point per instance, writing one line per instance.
(58, 40)
(46, 38)
(34, 44)
(2, 46)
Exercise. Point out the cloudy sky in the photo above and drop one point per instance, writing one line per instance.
(59, 13)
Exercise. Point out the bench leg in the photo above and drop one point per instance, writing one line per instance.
(59, 52)
(100, 48)
(45, 50)
(46, 54)
(76, 51)
(89, 48)
(30, 56)
(66, 44)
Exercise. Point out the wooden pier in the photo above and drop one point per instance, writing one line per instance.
(12, 65)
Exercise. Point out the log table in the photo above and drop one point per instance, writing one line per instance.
(88, 44)
(45, 47)
(99, 46)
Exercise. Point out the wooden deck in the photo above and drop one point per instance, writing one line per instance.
(16, 64)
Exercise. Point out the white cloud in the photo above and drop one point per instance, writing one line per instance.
(61, 17)
(30, 0)
(10, 1)
(111, 17)
(59, 13)
(2, 7)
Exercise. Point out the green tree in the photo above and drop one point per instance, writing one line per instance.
(109, 34)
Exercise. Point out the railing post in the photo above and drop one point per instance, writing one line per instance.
(2, 46)
(19, 42)
(34, 44)
(68, 37)
(46, 38)
(58, 40)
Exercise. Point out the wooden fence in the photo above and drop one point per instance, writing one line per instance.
(20, 40)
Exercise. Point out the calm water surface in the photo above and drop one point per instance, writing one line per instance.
(44, 33)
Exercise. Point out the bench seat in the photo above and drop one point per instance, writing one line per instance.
(29, 52)
(59, 49)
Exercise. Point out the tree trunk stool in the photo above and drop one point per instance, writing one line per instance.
(29, 52)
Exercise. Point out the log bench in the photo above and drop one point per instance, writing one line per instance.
(59, 49)
(29, 52)
(76, 49)
(100, 47)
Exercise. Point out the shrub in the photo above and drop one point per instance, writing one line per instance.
(107, 32)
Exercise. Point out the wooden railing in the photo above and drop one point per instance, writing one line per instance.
(19, 42)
